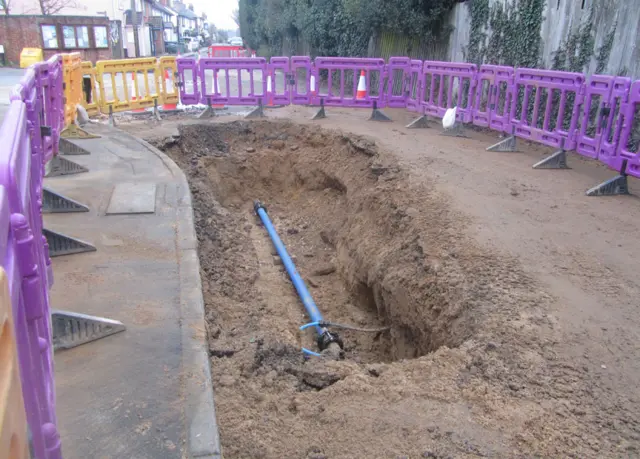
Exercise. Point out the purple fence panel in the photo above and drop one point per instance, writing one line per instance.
(278, 70)
(592, 116)
(447, 85)
(20, 236)
(610, 138)
(493, 97)
(49, 76)
(414, 95)
(56, 96)
(547, 106)
(629, 145)
(342, 75)
(398, 82)
(233, 81)
(304, 82)
(188, 80)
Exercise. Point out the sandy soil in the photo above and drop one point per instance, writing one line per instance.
(510, 296)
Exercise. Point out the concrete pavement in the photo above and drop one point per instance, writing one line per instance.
(145, 392)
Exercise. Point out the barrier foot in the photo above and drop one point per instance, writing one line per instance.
(257, 112)
(320, 114)
(112, 120)
(73, 131)
(208, 112)
(156, 112)
(377, 115)
(419, 123)
(508, 144)
(557, 160)
(53, 202)
(71, 329)
(69, 148)
(59, 166)
(613, 186)
(456, 131)
(60, 245)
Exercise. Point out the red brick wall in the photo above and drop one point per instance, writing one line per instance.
(18, 32)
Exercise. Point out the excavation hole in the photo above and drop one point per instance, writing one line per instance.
(338, 204)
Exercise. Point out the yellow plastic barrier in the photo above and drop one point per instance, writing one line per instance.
(13, 428)
(88, 72)
(130, 94)
(30, 56)
(168, 71)
(72, 71)
(72, 76)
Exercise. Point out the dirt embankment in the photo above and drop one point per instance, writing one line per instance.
(467, 367)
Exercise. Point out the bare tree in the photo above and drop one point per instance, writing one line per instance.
(5, 6)
(235, 15)
(48, 7)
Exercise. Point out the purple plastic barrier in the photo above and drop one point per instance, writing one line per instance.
(558, 87)
(50, 75)
(301, 70)
(493, 97)
(609, 140)
(594, 130)
(278, 69)
(627, 150)
(22, 245)
(40, 89)
(221, 80)
(414, 95)
(347, 97)
(398, 82)
(188, 80)
(457, 79)
(29, 92)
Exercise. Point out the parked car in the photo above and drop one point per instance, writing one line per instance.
(171, 47)
(236, 41)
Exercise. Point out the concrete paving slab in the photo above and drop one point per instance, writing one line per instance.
(133, 198)
(145, 392)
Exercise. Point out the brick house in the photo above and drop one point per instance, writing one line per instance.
(89, 35)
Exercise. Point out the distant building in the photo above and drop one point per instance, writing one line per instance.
(187, 19)
(156, 21)
(91, 36)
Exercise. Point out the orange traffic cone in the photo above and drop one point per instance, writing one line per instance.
(362, 86)
(215, 77)
(269, 92)
(312, 85)
(168, 84)
(133, 93)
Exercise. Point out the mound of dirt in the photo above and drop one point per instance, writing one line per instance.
(464, 369)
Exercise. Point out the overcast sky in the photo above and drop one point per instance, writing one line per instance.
(218, 11)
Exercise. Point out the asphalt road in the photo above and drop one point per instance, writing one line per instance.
(8, 79)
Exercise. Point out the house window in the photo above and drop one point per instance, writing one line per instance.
(69, 34)
(100, 36)
(82, 35)
(75, 36)
(49, 36)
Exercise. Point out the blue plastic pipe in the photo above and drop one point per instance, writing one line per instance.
(297, 281)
